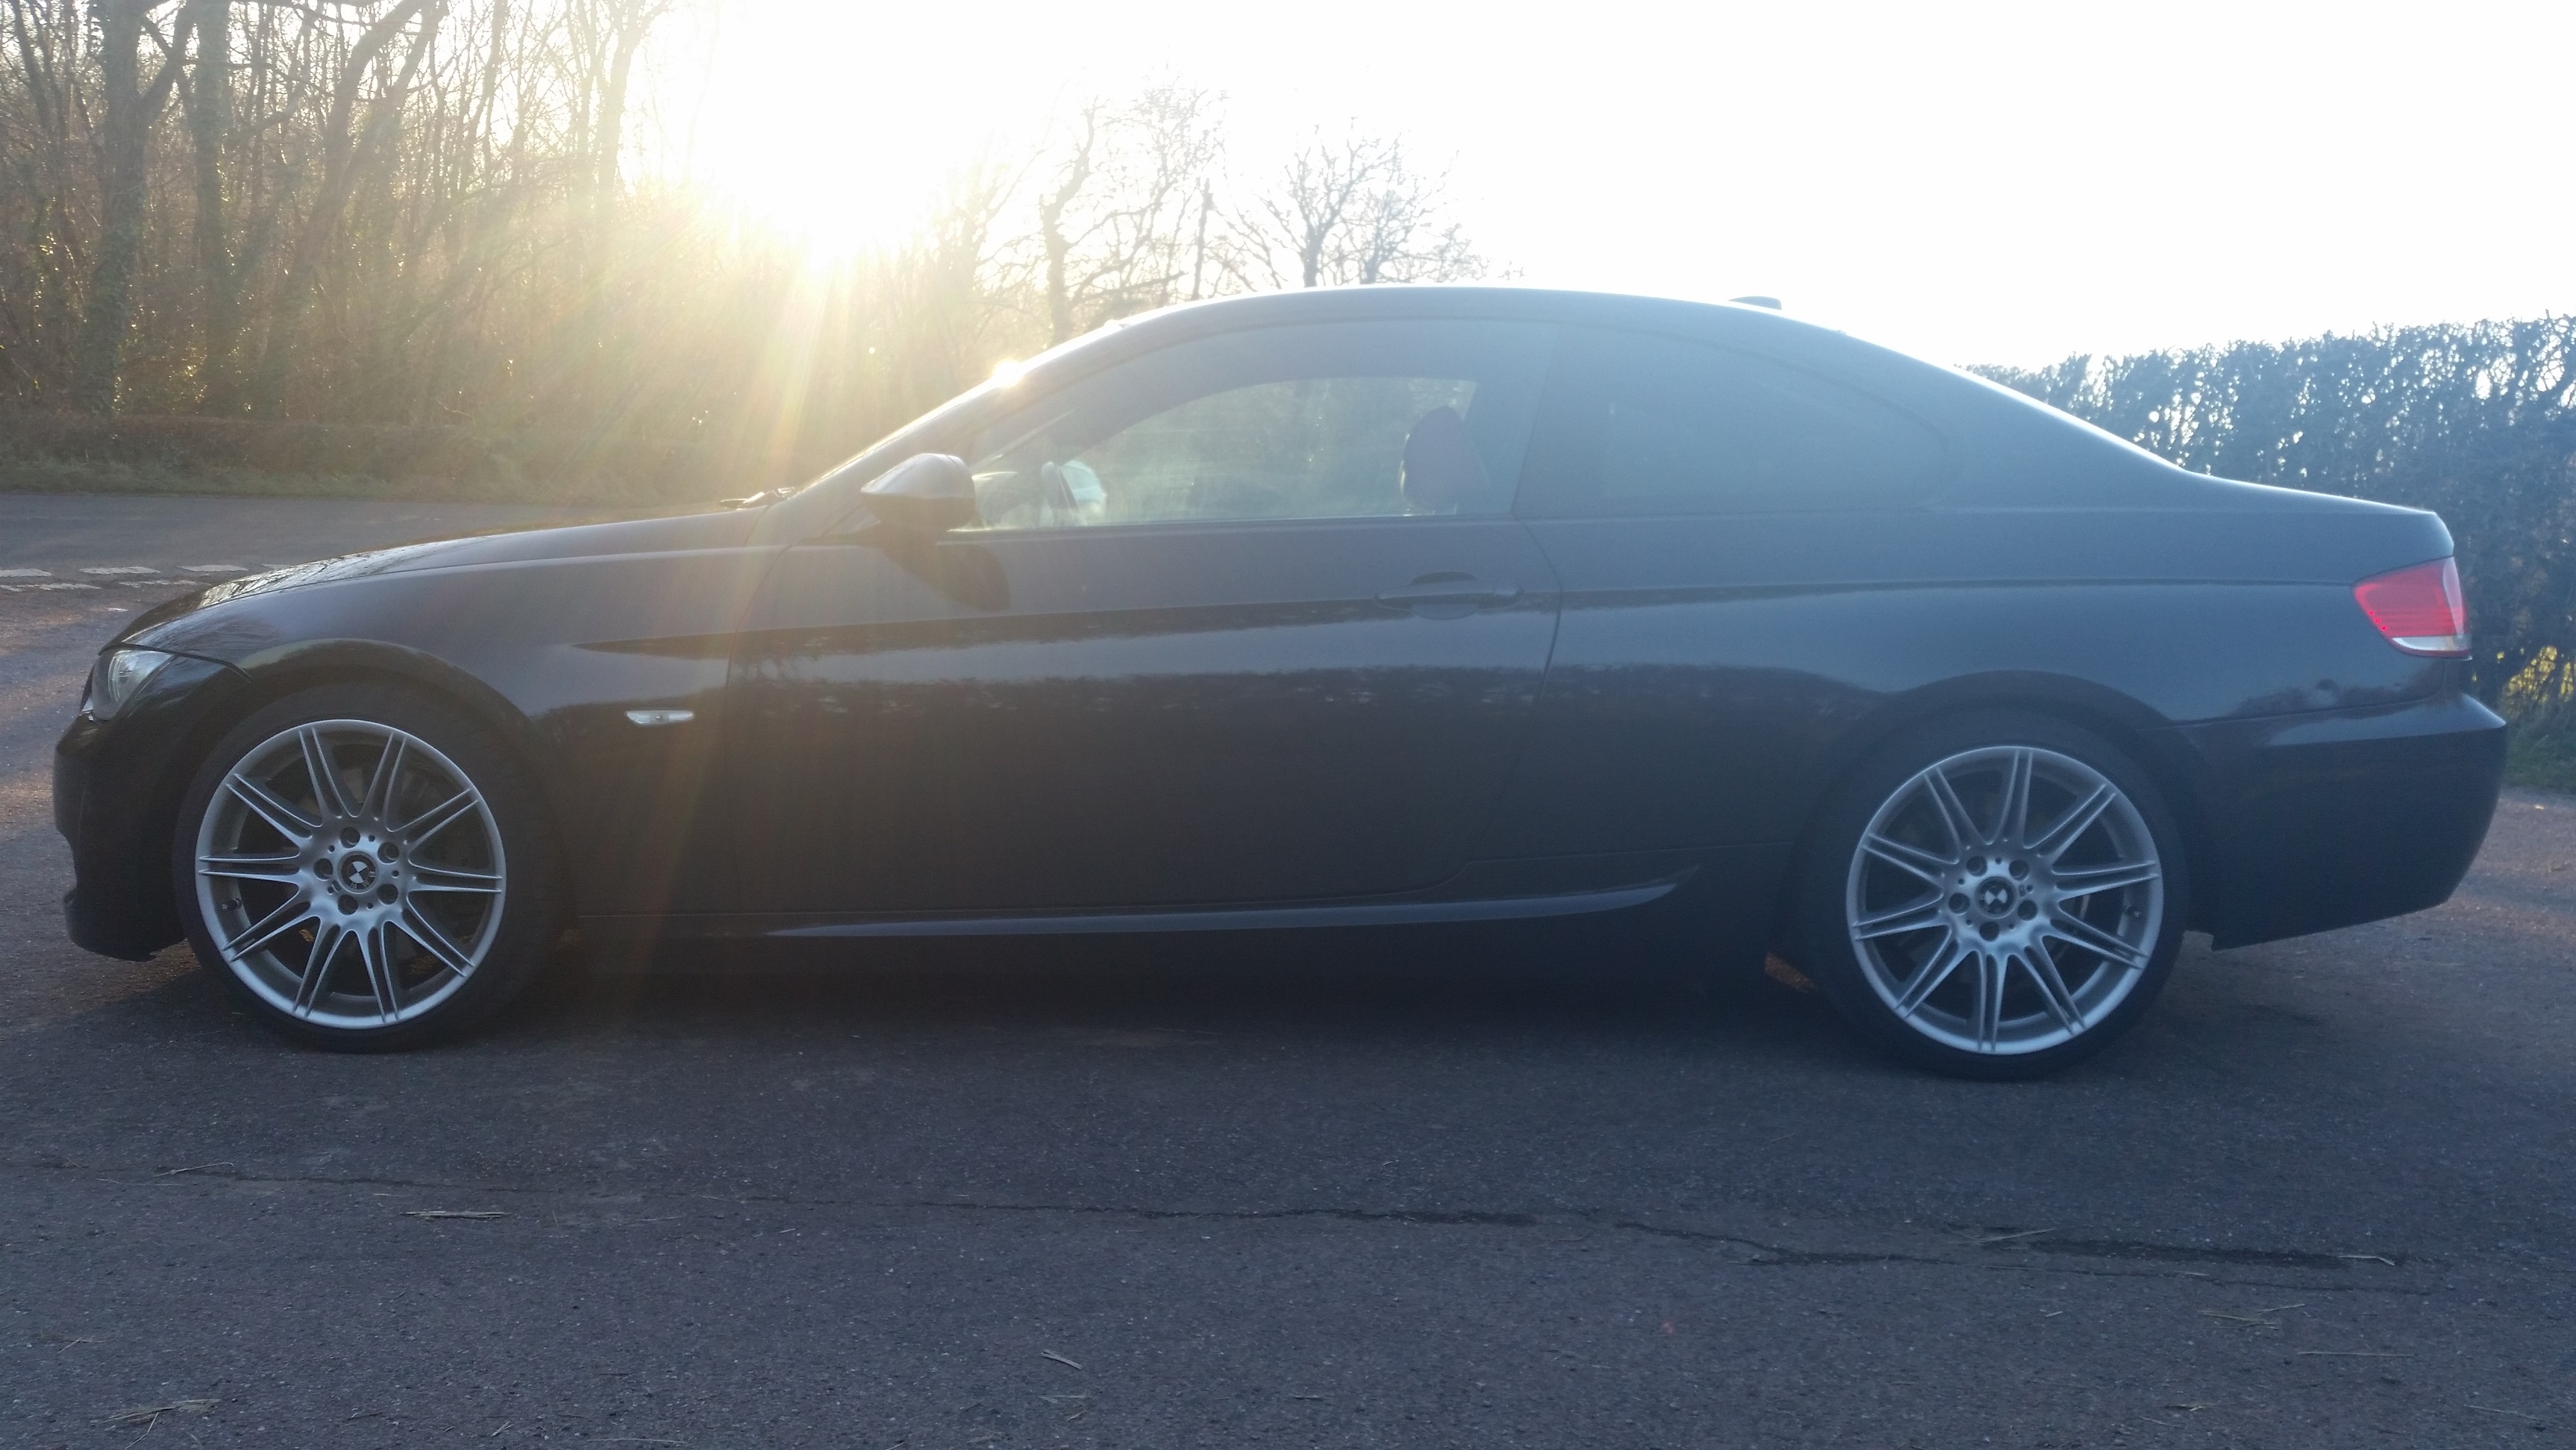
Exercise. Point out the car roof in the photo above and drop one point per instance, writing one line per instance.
(1937, 394)
(1408, 301)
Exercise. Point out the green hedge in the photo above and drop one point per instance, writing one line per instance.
(2476, 421)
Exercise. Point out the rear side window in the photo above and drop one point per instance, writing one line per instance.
(1639, 425)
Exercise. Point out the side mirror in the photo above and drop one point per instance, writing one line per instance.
(926, 494)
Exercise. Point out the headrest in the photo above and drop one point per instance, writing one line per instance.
(1442, 471)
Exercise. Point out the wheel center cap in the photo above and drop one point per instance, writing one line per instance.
(357, 872)
(1995, 896)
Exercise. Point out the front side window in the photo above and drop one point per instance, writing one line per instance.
(1642, 425)
(1331, 421)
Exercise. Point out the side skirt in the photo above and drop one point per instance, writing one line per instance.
(1268, 918)
(817, 927)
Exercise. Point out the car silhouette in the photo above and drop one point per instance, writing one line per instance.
(1336, 608)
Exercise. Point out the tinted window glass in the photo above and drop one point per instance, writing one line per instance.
(1337, 421)
(1647, 425)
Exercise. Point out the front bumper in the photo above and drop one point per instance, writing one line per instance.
(2330, 818)
(116, 798)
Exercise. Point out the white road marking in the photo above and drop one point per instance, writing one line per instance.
(132, 576)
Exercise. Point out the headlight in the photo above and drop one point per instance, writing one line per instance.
(119, 676)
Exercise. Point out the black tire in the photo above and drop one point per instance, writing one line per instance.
(369, 927)
(2009, 915)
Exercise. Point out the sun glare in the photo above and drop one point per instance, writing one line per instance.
(1926, 180)
(792, 173)
(786, 134)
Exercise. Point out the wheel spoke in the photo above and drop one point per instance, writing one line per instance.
(449, 878)
(1989, 1015)
(295, 911)
(2089, 879)
(1918, 917)
(2052, 987)
(380, 786)
(2072, 825)
(2076, 931)
(436, 819)
(1910, 858)
(285, 819)
(433, 941)
(328, 795)
(284, 870)
(1954, 815)
(317, 965)
(2012, 817)
(1929, 977)
(380, 971)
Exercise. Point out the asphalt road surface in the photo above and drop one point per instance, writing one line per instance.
(105, 539)
(1408, 1190)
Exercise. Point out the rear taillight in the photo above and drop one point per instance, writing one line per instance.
(2418, 608)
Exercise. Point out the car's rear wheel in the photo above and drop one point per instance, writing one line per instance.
(1997, 896)
(368, 866)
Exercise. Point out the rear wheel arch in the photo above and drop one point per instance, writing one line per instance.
(2145, 737)
(1938, 918)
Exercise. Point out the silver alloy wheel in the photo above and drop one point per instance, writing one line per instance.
(350, 874)
(2005, 900)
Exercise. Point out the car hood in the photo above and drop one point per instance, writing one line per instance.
(670, 534)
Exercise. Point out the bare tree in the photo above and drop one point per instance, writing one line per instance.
(349, 143)
(611, 32)
(1351, 210)
(1122, 217)
(41, 141)
(129, 105)
(1398, 234)
(205, 96)
(427, 211)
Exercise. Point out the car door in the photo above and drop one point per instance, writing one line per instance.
(1244, 620)
(1722, 524)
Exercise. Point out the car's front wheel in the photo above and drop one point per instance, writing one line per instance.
(1996, 896)
(368, 866)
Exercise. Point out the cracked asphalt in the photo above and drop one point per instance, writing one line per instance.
(1416, 1189)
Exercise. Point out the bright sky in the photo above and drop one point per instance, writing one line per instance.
(1969, 182)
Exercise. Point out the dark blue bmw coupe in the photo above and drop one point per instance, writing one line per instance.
(1380, 605)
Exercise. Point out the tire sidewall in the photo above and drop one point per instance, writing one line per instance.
(1823, 936)
(532, 911)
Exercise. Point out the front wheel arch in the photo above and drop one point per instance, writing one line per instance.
(274, 674)
(261, 680)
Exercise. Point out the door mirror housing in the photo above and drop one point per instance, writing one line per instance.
(926, 494)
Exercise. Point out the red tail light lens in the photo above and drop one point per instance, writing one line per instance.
(2418, 608)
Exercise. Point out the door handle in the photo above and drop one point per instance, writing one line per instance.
(1450, 595)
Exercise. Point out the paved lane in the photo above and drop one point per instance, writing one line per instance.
(1411, 1190)
(107, 539)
